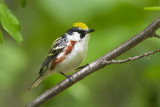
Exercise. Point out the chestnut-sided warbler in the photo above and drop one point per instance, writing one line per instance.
(67, 52)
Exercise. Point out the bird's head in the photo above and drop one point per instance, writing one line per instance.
(79, 30)
(82, 26)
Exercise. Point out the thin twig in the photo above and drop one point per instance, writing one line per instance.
(131, 58)
(96, 65)
(157, 36)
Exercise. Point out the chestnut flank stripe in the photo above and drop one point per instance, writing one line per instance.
(67, 51)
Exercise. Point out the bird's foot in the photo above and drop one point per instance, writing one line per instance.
(82, 66)
(68, 77)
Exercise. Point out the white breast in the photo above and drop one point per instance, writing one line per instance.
(75, 58)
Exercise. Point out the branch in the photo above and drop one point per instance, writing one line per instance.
(131, 58)
(96, 65)
(157, 36)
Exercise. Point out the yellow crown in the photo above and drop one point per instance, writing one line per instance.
(81, 25)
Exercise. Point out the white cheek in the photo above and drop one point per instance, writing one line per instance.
(75, 36)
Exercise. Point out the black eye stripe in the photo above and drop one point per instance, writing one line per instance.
(82, 35)
(81, 32)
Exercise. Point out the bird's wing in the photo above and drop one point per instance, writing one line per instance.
(57, 47)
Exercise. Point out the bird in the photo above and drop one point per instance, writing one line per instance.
(67, 53)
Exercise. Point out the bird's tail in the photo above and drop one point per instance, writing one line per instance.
(36, 82)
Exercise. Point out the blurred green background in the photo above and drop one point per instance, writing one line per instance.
(133, 84)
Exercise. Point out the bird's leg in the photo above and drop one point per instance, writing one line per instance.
(82, 66)
(67, 76)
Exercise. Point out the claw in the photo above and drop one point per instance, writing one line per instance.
(68, 77)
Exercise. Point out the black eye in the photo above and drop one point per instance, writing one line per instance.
(70, 32)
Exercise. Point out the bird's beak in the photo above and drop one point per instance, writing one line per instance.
(90, 30)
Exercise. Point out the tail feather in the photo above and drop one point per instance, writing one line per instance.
(36, 82)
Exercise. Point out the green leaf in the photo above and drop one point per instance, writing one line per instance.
(10, 23)
(1, 37)
(23, 2)
(151, 8)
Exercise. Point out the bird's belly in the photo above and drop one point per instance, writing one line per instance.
(72, 60)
